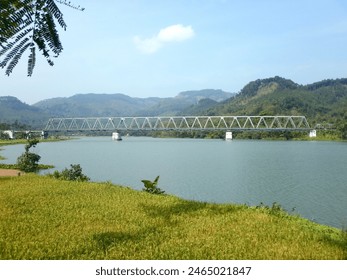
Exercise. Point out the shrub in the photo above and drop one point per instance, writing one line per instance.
(72, 174)
(28, 162)
(151, 187)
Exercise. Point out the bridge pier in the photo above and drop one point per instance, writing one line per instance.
(313, 133)
(44, 134)
(116, 136)
(228, 135)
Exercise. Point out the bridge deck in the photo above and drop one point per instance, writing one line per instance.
(160, 123)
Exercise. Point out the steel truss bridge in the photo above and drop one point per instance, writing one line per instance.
(180, 123)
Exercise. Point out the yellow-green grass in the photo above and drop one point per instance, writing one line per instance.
(12, 142)
(44, 218)
(4, 142)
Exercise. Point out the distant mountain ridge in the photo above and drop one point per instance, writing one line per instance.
(194, 96)
(96, 105)
(13, 110)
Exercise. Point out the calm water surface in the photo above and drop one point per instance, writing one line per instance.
(308, 176)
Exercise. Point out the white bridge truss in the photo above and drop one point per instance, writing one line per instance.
(223, 123)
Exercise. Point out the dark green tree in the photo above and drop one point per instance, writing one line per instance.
(28, 162)
(27, 25)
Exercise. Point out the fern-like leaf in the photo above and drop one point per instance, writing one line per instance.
(31, 61)
(16, 58)
(29, 24)
(15, 17)
(20, 36)
(54, 10)
(51, 35)
(13, 52)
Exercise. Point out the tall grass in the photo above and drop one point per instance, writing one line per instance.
(44, 218)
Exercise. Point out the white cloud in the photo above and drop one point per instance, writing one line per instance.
(172, 33)
(175, 33)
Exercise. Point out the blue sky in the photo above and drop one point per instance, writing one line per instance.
(146, 48)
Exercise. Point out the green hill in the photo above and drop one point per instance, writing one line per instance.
(100, 105)
(103, 105)
(323, 103)
(94, 105)
(13, 111)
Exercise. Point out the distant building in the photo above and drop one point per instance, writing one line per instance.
(313, 133)
(9, 133)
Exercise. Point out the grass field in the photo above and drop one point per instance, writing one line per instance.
(44, 218)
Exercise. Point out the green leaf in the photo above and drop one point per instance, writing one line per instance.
(30, 23)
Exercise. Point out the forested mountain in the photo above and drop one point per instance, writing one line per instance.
(95, 105)
(15, 112)
(87, 105)
(323, 102)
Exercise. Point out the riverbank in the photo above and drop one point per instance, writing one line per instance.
(25, 141)
(10, 172)
(45, 218)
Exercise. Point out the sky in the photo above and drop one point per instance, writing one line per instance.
(158, 48)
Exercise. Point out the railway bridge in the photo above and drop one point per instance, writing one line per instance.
(228, 124)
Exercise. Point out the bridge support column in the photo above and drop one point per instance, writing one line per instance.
(44, 134)
(313, 133)
(228, 135)
(116, 136)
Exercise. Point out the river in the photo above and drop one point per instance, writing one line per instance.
(309, 177)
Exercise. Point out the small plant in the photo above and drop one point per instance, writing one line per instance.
(28, 162)
(72, 174)
(152, 187)
(275, 209)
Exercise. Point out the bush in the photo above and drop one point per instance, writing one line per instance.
(28, 162)
(72, 174)
(151, 187)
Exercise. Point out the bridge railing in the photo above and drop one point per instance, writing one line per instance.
(225, 123)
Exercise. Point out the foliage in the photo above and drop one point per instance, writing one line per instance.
(4, 136)
(326, 83)
(73, 174)
(152, 187)
(323, 103)
(27, 25)
(342, 127)
(15, 166)
(254, 87)
(44, 218)
(28, 162)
